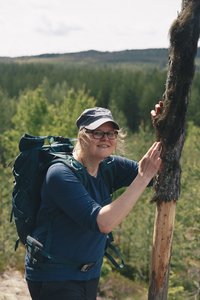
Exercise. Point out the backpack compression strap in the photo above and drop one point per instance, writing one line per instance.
(118, 261)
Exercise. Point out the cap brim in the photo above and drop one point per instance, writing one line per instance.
(100, 122)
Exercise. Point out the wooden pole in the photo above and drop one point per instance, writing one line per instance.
(170, 130)
(161, 252)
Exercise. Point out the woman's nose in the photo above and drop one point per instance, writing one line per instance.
(105, 136)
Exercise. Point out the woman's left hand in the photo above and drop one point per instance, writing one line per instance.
(150, 164)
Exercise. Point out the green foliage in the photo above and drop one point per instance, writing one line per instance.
(193, 111)
(134, 236)
(48, 102)
(8, 257)
(151, 92)
(8, 107)
(139, 223)
(32, 112)
(185, 258)
(115, 286)
(133, 91)
(34, 115)
(62, 115)
(31, 115)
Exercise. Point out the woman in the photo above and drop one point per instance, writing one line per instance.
(82, 214)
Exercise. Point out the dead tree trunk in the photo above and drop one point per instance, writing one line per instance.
(170, 130)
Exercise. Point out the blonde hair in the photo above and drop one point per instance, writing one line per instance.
(120, 147)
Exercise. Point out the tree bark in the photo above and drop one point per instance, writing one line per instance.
(170, 130)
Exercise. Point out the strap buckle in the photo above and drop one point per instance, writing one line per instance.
(87, 267)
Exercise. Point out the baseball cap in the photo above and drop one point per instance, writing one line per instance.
(92, 118)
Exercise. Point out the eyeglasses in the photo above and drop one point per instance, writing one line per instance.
(99, 134)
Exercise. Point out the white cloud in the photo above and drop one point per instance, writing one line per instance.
(30, 27)
(58, 28)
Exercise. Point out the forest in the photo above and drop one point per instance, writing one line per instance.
(45, 98)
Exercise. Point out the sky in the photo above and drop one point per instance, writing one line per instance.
(33, 27)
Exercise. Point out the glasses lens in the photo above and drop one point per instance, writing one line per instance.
(111, 135)
(98, 134)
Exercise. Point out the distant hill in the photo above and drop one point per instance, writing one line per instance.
(144, 57)
(126, 56)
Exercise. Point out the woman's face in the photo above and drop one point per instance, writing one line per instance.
(99, 148)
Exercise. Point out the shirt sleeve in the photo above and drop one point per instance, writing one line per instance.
(69, 195)
(124, 171)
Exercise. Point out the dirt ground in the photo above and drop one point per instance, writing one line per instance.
(13, 286)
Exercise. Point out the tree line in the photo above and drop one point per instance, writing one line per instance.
(132, 92)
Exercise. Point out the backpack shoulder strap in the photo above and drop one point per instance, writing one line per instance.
(107, 169)
(68, 160)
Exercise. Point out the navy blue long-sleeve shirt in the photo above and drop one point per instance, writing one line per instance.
(71, 209)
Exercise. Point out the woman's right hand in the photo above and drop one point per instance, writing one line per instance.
(158, 109)
(156, 112)
(150, 164)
